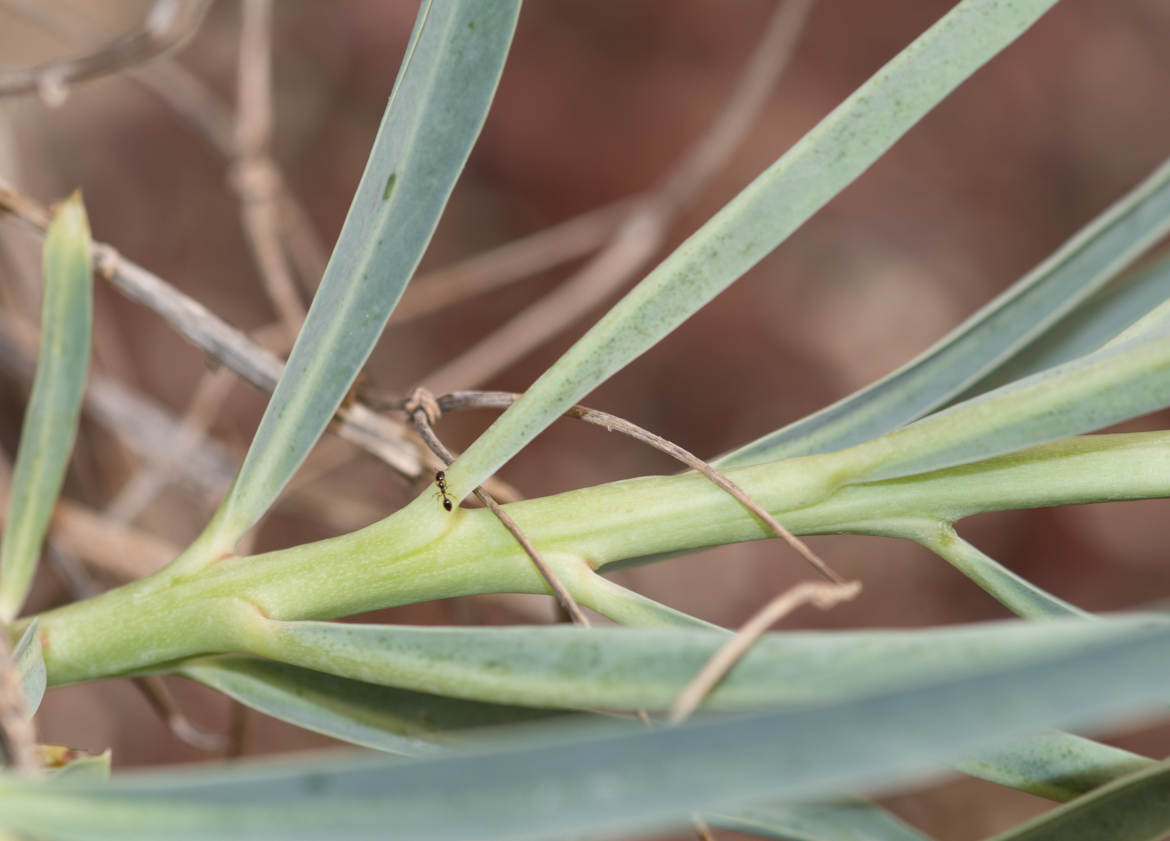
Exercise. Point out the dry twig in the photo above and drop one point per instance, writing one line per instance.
(222, 342)
(424, 411)
(643, 232)
(502, 399)
(820, 593)
(254, 177)
(168, 24)
(520, 258)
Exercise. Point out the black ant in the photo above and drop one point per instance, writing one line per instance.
(441, 481)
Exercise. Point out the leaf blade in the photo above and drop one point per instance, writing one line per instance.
(781, 199)
(438, 105)
(377, 717)
(984, 346)
(54, 406)
(608, 777)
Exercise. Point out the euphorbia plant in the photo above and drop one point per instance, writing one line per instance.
(805, 717)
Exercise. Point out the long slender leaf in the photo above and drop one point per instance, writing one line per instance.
(379, 717)
(841, 819)
(30, 665)
(54, 407)
(1085, 329)
(646, 668)
(779, 201)
(438, 105)
(987, 340)
(1014, 592)
(1059, 766)
(1116, 383)
(608, 777)
(1134, 808)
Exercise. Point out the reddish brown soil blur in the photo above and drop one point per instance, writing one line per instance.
(598, 100)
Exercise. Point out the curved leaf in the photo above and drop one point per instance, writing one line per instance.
(1085, 329)
(379, 717)
(990, 339)
(1059, 766)
(841, 819)
(30, 665)
(1118, 382)
(1134, 808)
(438, 105)
(606, 777)
(763, 215)
(54, 407)
(646, 668)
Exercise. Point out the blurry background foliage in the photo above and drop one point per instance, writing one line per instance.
(598, 99)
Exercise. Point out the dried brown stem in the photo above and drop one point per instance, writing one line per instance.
(502, 399)
(221, 342)
(255, 178)
(421, 408)
(820, 593)
(521, 258)
(168, 24)
(643, 232)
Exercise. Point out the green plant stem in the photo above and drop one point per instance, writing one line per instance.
(423, 553)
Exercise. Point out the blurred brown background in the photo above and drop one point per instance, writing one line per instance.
(599, 99)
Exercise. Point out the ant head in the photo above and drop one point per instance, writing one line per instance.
(440, 476)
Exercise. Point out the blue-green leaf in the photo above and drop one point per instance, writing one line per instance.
(765, 213)
(30, 665)
(991, 339)
(379, 717)
(1133, 808)
(438, 105)
(840, 819)
(54, 407)
(629, 668)
(608, 777)
(1085, 329)
(1059, 766)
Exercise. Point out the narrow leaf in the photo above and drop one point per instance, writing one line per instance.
(609, 777)
(1134, 808)
(646, 668)
(379, 717)
(803, 180)
(841, 819)
(992, 337)
(30, 665)
(1059, 766)
(1116, 383)
(436, 110)
(54, 407)
(1085, 329)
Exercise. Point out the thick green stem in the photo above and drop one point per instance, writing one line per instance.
(422, 552)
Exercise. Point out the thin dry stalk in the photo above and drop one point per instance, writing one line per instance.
(820, 593)
(502, 399)
(187, 731)
(146, 483)
(702, 831)
(254, 176)
(83, 533)
(168, 24)
(521, 258)
(643, 232)
(223, 343)
(424, 411)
